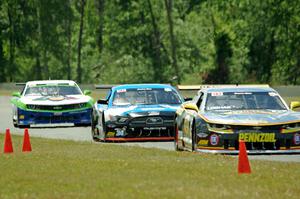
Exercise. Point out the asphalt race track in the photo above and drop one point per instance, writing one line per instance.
(83, 134)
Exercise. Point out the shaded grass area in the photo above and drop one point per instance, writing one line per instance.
(67, 169)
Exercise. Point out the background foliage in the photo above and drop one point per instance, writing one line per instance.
(135, 41)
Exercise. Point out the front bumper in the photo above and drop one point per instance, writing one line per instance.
(256, 143)
(77, 117)
(250, 152)
(137, 139)
(137, 129)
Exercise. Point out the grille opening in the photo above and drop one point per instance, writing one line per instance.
(226, 144)
(236, 145)
(277, 144)
(288, 143)
(259, 145)
(141, 132)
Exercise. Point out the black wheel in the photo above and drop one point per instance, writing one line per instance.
(176, 145)
(15, 123)
(194, 144)
(94, 131)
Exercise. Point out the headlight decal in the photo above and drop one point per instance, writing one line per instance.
(290, 128)
(219, 128)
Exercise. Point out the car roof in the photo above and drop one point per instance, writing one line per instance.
(48, 82)
(240, 89)
(132, 86)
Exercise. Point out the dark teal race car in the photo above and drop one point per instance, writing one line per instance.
(136, 112)
(219, 117)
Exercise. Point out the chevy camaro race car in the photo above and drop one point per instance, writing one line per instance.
(51, 103)
(218, 118)
(136, 112)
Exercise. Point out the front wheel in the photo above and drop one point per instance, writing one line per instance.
(176, 145)
(94, 131)
(194, 141)
(15, 123)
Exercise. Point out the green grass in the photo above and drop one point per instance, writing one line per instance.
(67, 169)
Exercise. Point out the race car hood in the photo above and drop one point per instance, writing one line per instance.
(252, 117)
(143, 110)
(55, 100)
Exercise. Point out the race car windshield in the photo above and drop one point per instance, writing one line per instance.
(145, 96)
(243, 101)
(52, 90)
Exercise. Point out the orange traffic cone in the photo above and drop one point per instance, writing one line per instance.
(8, 147)
(26, 142)
(244, 166)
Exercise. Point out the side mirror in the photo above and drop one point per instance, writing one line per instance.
(191, 106)
(294, 104)
(188, 99)
(16, 94)
(102, 101)
(87, 92)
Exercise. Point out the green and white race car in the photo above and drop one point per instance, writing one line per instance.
(51, 103)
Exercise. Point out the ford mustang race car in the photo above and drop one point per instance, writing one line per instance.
(51, 103)
(219, 117)
(136, 112)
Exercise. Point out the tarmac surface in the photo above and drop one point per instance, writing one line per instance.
(83, 134)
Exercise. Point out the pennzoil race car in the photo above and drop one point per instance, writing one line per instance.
(218, 117)
(136, 112)
(51, 103)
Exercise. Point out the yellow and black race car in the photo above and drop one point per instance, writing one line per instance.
(218, 117)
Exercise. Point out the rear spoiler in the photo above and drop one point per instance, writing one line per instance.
(105, 86)
(202, 86)
(20, 84)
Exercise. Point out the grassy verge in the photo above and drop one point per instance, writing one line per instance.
(67, 169)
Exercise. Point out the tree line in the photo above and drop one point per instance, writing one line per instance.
(136, 41)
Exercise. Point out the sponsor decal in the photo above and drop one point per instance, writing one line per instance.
(297, 138)
(57, 113)
(121, 91)
(21, 117)
(56, 98)
(154, 120)
(273, 94)
(168, 89)
(243, 93)
(110, 134)
(216, 93)
(257, 137)
(214, 139)
(57, 107)
(202, 135)
(144, 89)
(153, 113)
(203, 142)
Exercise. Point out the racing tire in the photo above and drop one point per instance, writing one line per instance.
(15, 123)
(194, 136)
(176, 145)
(93, 130)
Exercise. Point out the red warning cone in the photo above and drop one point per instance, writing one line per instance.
(8, 147)
(244, 166)
(26, 142)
